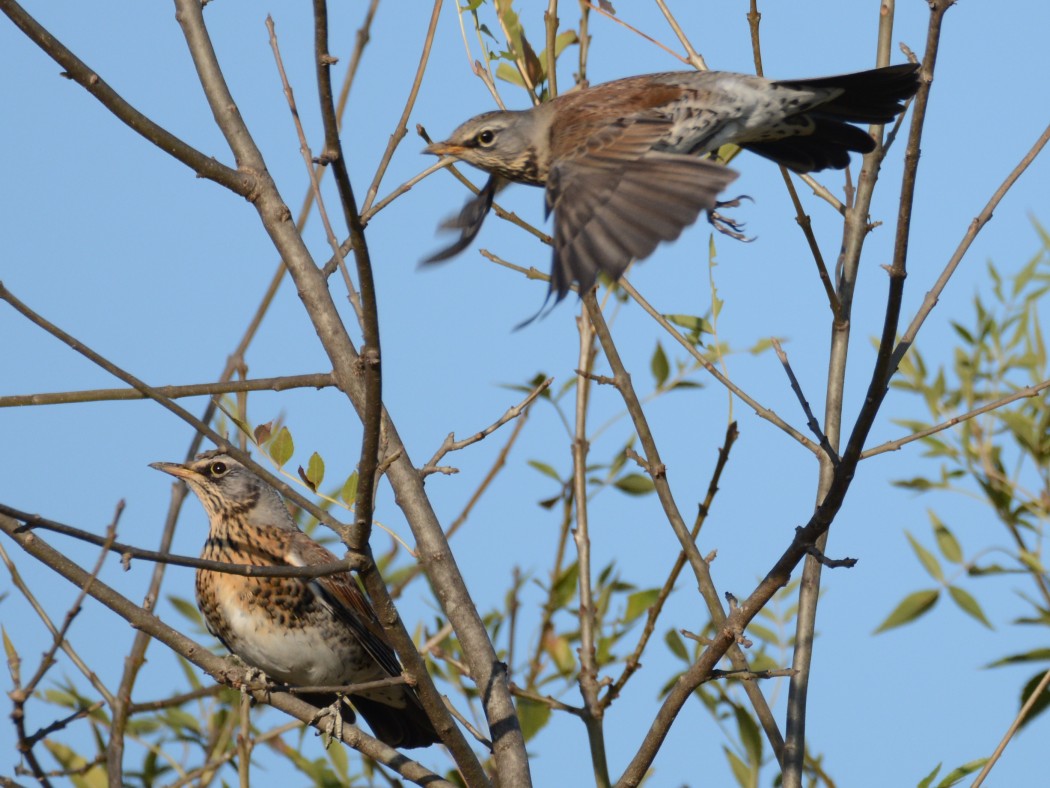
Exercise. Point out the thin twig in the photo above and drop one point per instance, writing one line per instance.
(692, 56)
(1033, 698)
(761, 410)
(282, 383)
(586, 611)
(450, 444)
(33, 522)
(930, 301)
(633, 661)
(402, 124)
(811, 420)
(592, 7)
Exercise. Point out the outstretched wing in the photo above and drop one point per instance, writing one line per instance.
(614, 201)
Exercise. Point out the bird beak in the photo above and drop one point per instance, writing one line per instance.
(181, 471)
(443, 149)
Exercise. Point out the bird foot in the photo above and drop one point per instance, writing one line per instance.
(726, 225)
(332, 730)
(252, 678)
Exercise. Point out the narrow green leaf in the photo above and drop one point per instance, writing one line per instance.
(9, 647)
(969, 605)
(186, 609)
(928, 559)
(911, 607)
(750, 736)
(926, 781)
(741, 771)
(955, 775)
(676, 644)
(1031, 560)
(1036, 655)
(282, 448)
(659, 365)
(1041, 703)
(565, 587)
(545, 469)
(946, 541)
(634, 484)
(639, 602)
(349, 492)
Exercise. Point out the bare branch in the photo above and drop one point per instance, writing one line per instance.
(283, 383)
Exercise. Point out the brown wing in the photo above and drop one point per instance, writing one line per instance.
(617, 198)
(348, 604)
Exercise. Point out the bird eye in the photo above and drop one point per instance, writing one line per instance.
(486, 137)
(217, 468)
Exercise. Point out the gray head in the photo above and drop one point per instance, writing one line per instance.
(228, 489)
(513, 145)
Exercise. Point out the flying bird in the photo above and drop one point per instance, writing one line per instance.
(626, 165)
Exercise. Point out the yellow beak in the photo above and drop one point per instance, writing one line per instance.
(443, 149)
(181, 471)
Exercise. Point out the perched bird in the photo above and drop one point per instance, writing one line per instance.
(625, 163)
(306, 632)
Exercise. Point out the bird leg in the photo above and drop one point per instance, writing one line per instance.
(333, 729)
(726, 225)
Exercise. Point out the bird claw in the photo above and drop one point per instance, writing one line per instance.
(726, 225)
(333, 729)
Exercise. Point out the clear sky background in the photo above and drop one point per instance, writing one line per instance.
(160, 271)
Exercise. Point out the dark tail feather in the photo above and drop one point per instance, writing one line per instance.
(829, 145)
(404, 728)
(875, 96)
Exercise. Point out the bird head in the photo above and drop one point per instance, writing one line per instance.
(225, 488)
(513, 145)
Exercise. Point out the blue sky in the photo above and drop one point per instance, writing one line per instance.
(159, 271)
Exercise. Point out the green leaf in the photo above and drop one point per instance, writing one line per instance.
(639, 602)
(1031, 560)
(349, 492)
(750, 736)
(968, 604)
(658, 364)
(186, 609)
(1041, 703)
(956, 774)
(9, 647)
(946, 541)
(533, 716)
(1036, 655)
(70, 760)
(315, 470)
(676, 644)
(545, 469)
(560, 651)
(565, 587)
(926, 781)
(634, 484)
(911, 607)
(928, 559)
(282, 448)
(741, 771)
